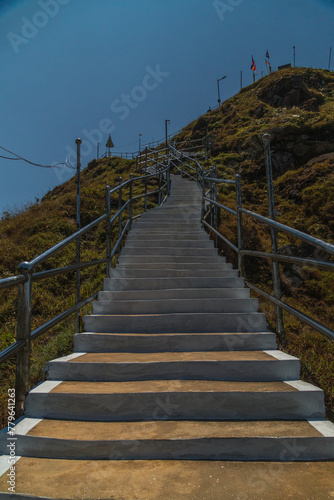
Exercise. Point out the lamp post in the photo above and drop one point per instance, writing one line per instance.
(78, 223)
(139, 137)
(166, 133)
(274, 241)
(219, 80)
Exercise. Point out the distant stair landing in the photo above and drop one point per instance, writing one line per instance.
(176, 388)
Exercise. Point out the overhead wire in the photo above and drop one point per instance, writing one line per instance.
(18, 157)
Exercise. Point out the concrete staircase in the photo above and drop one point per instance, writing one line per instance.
(175, 363)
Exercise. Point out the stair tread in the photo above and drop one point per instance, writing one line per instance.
(171, 429)
(152, 479)
(164, 386)
(174, 356)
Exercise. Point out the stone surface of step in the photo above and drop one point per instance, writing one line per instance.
(177, 294)
(150, 237)
(173, 342)
(173, 439)
(124, 272)
(165, 251)
(170, 479)
(246, 366)
(161, 283)
(172, 265)
(167, 258)
(144, 243)
(177, 323)
(164, 306)
(175, 399)
(169, 226)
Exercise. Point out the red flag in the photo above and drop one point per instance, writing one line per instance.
(253, 66)
(267, 63)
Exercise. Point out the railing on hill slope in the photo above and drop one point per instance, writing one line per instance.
(191, 168)
(26, 277)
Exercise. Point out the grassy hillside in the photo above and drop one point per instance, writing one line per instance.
(38, 227)
(296, 107)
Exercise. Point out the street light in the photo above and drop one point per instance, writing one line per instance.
(166, 123)
(139, 135)
(219, 80)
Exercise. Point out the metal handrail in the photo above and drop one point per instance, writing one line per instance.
(24, 335)
(327, 247)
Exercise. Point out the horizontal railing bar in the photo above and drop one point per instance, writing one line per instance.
(221, 181)
(290, 259)
(61, 270)
(221, 206)
(13, 281)
(56, 248)
(53, 322)
(11, 350)
(328, 247)
(234, 248)
(298, 314)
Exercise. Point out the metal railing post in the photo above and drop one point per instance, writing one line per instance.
(108, 231)
(146, 160)
(159, 196)
(241, 258)
(130, 198)
(181, 161)
(120, 204)
(145, 194)
(168, 173)
(215, 207)
(211, 206)
(23, 332)
(203, 196)
(274, 242)
(78, 225)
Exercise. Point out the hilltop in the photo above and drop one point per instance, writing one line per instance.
(296, 107)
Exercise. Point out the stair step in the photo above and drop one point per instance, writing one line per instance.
(173, 342)
(137, 273)
(158, 243)
(177, 294)
(151, 237)
(175, 440)
(252, 366)
(177, 323)
(167, 306)
(172, 479)
(182, 251)
(170, 265)
(201, 261)
(169, 226)
(175, 399)
(162, 283)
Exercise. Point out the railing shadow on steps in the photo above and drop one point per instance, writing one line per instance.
(26, 277)
(191, 168)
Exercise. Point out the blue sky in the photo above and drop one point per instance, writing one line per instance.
(81, 68)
